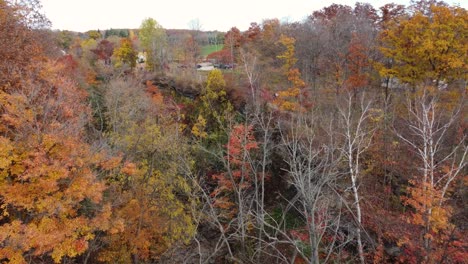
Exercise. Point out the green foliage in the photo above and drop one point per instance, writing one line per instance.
(87, 46)
(208, 49)
(153, 40)
(65, 39)
(123, 33)
(287, 220)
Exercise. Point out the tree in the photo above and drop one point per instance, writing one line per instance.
(232, 42)
(94, 34)
(221, 56)
(125, 54)
(358, 64)
(230, 193)
(290, 99)
(253, 33)
(51, 200)
(215, 110)
(439, 162)
(357, 136)
(390, 13)
(154, 41)
(124, 33)
(309, 48)
(65, 39)
(87, 46)
(332, 12)
(427, 47)
(191, 50)
(312, 166)
(29, 12)
(148, 188)
(269, 45)
(336, 23)
(104, 51)
(18, 44)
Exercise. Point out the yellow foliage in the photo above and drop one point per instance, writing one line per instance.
(6, 151)
(289, 99)
(289, 54)
(427, 47)
(214, 109)
(146, 187)
(198, 128)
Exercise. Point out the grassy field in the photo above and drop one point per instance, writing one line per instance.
(205, 50)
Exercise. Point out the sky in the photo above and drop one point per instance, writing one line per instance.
(221, 15)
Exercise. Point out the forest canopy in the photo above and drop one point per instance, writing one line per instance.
(341, 138)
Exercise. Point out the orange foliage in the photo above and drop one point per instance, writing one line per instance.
(290, 98)
(147, 218)
(156, 95)
(357, 64)
(437, 239)
(46, 175)
(18, 45)
(50, 198)
(222, 56)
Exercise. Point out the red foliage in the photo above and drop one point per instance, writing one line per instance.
(70, 65)
(240, 142)
(104, 51)
(365, 10)
(331, 12)
(233, 38)
(239, 175)
(222, 56)
(391, 11)
(358, 63)
(302, 235)
(253, 33)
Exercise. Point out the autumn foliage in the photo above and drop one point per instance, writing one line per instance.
(341, 138)
(222, 56)
(239, 177)
(290, 99)
(427, 46)
(51, 199)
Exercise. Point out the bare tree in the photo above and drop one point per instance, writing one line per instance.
(312, 166)
(195, 25)
(357, 136)
(441, 156)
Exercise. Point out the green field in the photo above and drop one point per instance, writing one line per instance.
(205, 50)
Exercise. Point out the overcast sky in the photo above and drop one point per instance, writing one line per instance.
(83, 15)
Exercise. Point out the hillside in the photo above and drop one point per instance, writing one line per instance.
(338, 139)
